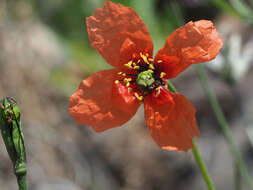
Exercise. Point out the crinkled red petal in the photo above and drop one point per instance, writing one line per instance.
(193, 43)
(117, 32)
(171, 120)
(100, 103)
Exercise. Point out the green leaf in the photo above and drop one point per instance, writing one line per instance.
(225, 7)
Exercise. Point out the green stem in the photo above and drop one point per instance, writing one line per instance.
(237, 177)
(197, 156)
(22, 182)
(202, 166)
(171, 87)
(224, 126)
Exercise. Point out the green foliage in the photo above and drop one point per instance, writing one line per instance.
(67, 18)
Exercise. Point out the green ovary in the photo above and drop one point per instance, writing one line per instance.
(145, 79)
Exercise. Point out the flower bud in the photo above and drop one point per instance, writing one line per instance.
(12, 134)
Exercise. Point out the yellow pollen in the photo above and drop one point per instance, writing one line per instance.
(147, 54)
(162, 74)
(138, 96)
(151, 71)
(123, 74)
(116, 81)
(129, 65)
(158, 89)
(127, 80)
(134, 64)
(138, 61)
(119, 73)
(130, 90)
(151, 59)
(145, 59)
(159, 61)
(137, 67)
(151, 66)
(128, 84)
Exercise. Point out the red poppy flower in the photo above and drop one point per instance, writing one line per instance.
(109, 98)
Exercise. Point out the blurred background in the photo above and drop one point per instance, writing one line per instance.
(44, 55)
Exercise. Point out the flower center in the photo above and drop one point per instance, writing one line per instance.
(145, 80)
(142, 78)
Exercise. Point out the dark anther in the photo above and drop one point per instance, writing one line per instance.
(9, 120)
(9, 112)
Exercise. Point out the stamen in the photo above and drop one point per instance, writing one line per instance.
(137, 67)
(162, 74)
(145, 59)
(151, 66)
(138, 96)
(159, 61)
(151, 71)
(158, 89)
(151, 59)
(130, 90)
(116, 81)
(123, 74)
(129, 65)
(126, 80)
(147, 54)
(134, 56)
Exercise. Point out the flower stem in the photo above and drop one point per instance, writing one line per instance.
(224, 126)
(22, 182)
(202, 166)
(237, 178)
(196, 153)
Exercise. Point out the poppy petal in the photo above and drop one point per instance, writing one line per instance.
(94, 102)
(171, 120)
(117, 32)
(193, 43)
